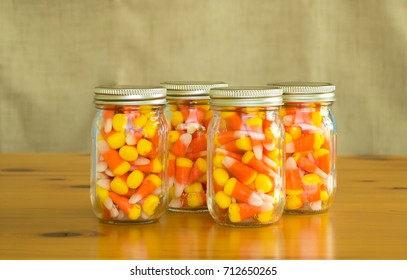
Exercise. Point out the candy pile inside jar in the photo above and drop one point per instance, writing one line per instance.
(246, 156)
(188, 114)
(310, 146)
(129, 154)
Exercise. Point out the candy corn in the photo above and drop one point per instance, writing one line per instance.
(130, 163)
(246, 171)
(308, 159)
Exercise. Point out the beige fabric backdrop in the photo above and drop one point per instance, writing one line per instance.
(52, 54)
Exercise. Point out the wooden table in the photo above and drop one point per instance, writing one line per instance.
(45, 213)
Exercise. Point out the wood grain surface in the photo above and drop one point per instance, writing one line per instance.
(45, 213)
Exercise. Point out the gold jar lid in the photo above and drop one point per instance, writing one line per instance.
(130, 95)
(191, 90)
(306, 91)
(246, 96)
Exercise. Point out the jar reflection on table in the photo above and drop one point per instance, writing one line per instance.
(129, 154)
(308, 237)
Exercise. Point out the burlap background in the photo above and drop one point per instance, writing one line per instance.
(52, 54)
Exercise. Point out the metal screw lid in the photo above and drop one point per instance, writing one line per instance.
(130, 95)
(191, 90)
(306, 91)
(246, 96)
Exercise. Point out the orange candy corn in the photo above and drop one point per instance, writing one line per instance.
(258, 165)
(293, 179)
(171, 169)
(116, 164)
(132, 211)
(149, 184)
(241, 211)
(198, 170)
(255, 127)
(183, 168)
(307, 165)
(146, 148)
(311, 183)
(232, 120)
(241, 192)
(322, 159)
(241, 171)
(228, 136)
(198, 144)
(180, 147)
(238, 145)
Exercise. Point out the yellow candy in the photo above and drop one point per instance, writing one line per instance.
(217, 160)
(121, 169)
(173, 136)
(234, 213)
(288, 138)
(150, 129)
(157, 166)
(317, 141)
(263, 183)
(265, 216)
(102, 193)
(155, 179)
(311, 179)
(316, 118)
(171, 192)
(144, 147)
(119, 186)
(135, 212)
(134, 179)
(293, 202)
(119, 122)
(274, 154)
(177, 118)
(220, 176)
(295, 132)
(140, 122)
(222, 200)
(128, 153)
(194, 188)
(150, 204)
(244, 143)
(324, 196)
(255, 121)
(195, 199)
(116, 140)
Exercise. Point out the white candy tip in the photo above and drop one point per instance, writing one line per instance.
(290, 163)
(135, 198)
(175, 203)
(228, 161)
(255, 200)
(178, 190)
(289, 147)
(258, 152)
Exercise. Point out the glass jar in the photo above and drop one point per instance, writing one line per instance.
(129, 144)
(188, 114)
(310, 134)
(245, 156)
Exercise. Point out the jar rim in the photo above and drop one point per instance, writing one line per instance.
(246, 96)
(129, 94)
(191, 89)
(308, 91)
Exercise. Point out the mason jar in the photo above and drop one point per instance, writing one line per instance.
(245, 156)
(128, 173)
(188, 114)
(310, 134)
